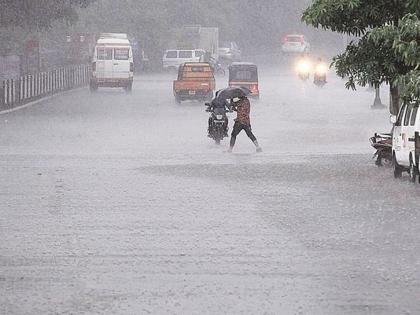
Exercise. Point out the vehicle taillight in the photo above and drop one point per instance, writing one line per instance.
(285, 39)
(131, 67)
(302, 40)
(93, 66)
(254, 88)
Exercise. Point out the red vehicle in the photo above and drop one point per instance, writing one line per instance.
(244, 74)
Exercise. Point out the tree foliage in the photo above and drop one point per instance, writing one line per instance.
(368, 60)
(354, 17)
(404, 41)
(38, 14)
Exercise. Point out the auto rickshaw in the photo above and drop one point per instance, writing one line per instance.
(244, 74)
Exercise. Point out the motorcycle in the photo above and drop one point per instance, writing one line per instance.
(382, 143)
(320, 76)
(218, 123)
(303, 68)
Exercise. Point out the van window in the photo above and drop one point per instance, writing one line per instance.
(199, 53)
(121, 53)
(185, 54)
(414, 115)
(407, 115)
(172, 54)
(400, 116)
(104, 53)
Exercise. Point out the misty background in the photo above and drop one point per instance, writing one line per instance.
(257, 26)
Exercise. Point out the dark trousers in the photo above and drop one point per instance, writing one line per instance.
(237, 128)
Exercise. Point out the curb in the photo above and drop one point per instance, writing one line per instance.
(30, 104)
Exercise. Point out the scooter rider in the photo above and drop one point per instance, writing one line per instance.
(243, 107)
(320, 76)
(218, 103)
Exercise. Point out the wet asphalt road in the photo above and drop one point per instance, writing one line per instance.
(115, 203)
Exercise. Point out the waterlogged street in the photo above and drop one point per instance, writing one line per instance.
(116, 203)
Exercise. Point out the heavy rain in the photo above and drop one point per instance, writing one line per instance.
(209, 157)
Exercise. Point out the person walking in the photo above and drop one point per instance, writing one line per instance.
(243, 122)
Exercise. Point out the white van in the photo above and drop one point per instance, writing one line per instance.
(112, 62)
(406, 141)
(172, 59)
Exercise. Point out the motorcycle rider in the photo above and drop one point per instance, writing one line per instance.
(320, 76)
(242, 106)
(217, 103)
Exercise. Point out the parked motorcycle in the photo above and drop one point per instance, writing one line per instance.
(218, 123)
(382, 143)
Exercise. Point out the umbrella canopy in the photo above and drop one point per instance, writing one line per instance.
(232, 92)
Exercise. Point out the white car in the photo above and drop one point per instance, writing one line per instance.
(173, 59)
(295, 44)
(406, 141)
(112, 62)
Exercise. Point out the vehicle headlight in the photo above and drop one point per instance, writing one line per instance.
(321, 69)
(303, 66)
(219, 117)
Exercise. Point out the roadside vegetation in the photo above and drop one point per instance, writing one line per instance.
(387, 49)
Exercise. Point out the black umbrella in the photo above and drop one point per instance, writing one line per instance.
(232, 92)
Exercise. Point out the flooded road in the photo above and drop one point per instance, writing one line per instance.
(116, 203)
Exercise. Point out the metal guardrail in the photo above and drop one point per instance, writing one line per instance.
(31, 87)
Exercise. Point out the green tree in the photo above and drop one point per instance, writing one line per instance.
(404, 39)
(366, 61)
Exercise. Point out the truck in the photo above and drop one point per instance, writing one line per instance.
(195, 82)
(199, 37)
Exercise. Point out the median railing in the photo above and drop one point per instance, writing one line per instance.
(31, 87)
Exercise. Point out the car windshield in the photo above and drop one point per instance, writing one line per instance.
(294, 39)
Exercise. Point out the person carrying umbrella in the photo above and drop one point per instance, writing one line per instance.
(242, 106)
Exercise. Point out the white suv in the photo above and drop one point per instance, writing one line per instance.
(295, 44)
(406, 141)
(172, 59)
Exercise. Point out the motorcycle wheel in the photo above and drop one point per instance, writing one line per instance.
(386, 162)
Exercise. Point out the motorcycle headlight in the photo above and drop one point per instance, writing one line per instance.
(303, 67)
(219, 117)
(321, 69)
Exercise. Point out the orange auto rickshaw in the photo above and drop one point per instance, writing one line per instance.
(244, 74)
